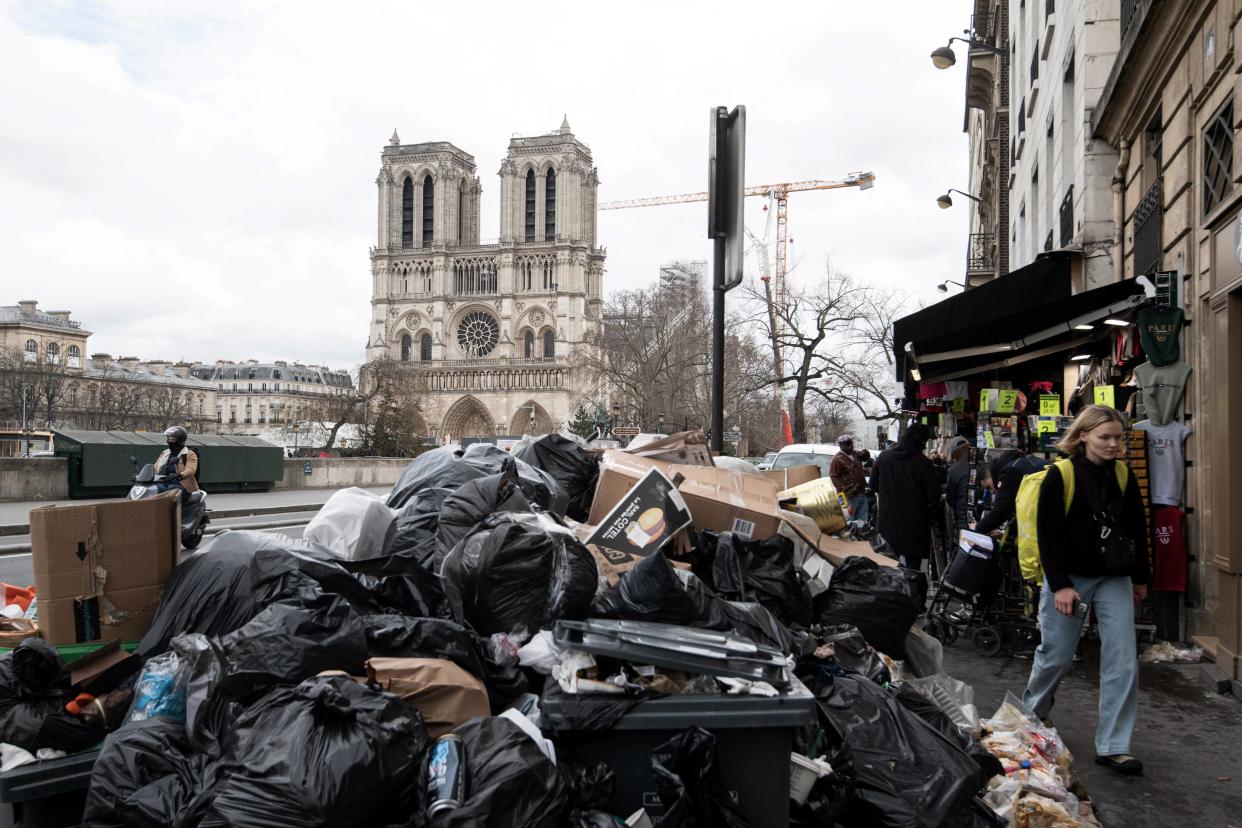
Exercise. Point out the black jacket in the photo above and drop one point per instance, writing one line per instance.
(1007, 480)
(1069, 544)
(955, 485)
(905, 483)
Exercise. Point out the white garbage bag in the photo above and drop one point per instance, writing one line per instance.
(352, 524)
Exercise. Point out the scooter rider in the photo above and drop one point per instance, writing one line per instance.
(178, 465)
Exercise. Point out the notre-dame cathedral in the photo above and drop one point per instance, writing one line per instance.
(495, 330)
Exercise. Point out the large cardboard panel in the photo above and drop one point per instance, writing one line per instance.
(718, 499)
(792, 476)
(832, 549)
(99, 568)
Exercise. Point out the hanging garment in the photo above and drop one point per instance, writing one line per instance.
(1163, 389)
(1166, 460)
(1159, 332)
(1169, 543)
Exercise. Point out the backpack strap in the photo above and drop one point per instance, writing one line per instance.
(1123, 474)
(1066, 467)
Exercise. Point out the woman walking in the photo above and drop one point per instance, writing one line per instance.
(1094, 554)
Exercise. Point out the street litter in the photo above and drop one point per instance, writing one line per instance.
(1164, 652)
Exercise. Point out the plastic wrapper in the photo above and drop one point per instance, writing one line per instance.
(209, 592)
(921, 705)
(465, 508)
(906, 773)
(881, 601)
(1164, 652)
(574, 469)
(412, 532)
(352, 524)
(851, 651)
(511, 784)
(330, 752)
(688, 781)
(924, 654)
(33, 690)
(1035, 811)
(159, 690)
(450, 467)
(519, 570)
(758, 571)
(955, 698)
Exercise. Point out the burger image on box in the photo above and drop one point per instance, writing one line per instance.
(648, 528)
(644, 519)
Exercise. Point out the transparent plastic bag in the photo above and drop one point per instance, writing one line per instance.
(159, 691)
(955, 698)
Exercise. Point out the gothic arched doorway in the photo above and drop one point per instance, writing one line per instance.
(468, 418)
(520, 424)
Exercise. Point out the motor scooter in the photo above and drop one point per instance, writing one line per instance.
(194, 516)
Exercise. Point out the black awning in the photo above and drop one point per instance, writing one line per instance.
(1031, 317)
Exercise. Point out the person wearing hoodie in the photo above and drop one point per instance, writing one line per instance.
(908, 491)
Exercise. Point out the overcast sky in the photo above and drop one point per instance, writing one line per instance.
(195, 180)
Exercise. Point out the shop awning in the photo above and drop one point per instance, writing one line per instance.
(1027, 314)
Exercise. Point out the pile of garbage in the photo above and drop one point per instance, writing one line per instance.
(547, 637)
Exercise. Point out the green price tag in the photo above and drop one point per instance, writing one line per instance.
(959, 406)
(990, 439)
(1049, 405)
(1106, 395)
(1007, 401)
(983, 400)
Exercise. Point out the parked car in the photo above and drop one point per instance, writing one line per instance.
(766, 461)
(806, 454)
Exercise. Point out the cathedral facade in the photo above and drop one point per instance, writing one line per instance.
(493, 332)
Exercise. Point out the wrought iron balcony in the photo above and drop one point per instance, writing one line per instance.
(1066, 214)
(981, 253)
(1148, 217)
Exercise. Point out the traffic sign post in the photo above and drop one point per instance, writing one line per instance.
(726, 173)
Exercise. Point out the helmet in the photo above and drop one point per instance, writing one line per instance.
(176, 433)
(844, 438)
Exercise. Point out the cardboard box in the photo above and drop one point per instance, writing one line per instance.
(645, 519)
(834, 550)
(686, 447)
(99, 569)
(718, 499)
(792, 476)
(103, 670)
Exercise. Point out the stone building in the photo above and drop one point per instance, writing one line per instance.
(492, 331)
(1171, 109)
(251, 396)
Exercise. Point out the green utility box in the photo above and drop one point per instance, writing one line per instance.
(99, 461)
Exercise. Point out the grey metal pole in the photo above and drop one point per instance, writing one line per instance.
(718, 328)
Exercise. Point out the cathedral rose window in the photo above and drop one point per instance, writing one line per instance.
(478, 333)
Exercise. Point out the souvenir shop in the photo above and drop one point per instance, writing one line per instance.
(1008, 365)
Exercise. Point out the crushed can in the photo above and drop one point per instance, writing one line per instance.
(446, 774)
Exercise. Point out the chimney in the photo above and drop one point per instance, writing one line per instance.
(63, 316)
(102, 359)
(129, 363)
(28, 305)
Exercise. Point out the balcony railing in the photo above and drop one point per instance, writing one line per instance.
(983, 26)
(981, 253)
(1148, 216)
(1067, 217)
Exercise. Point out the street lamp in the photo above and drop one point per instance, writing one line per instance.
(943, 287)
(616, 414)
(943, 57)
(945, 201)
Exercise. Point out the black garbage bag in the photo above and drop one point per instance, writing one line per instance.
(289, 643)
(148, 774)
(576, 470)
(833, 793)
(510, 783)
(450, 467)
(34, 688)
(329, 752)
(465, 508)
(412, 532)
(209, 592)
(519, 570)
(688, 781)
(852, 652)
(881, 601)
(589, 786)
(907, 775)
(759, 571)
(654, 591)
(921, 705)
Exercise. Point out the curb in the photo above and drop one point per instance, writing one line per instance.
(24, 528)
(24, 548)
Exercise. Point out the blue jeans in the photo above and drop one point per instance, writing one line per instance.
(1112, 601)
(860, 505)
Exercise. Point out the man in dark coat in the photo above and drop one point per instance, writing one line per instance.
(909, 493)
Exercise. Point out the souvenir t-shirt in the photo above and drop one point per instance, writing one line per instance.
(1169, 543)
(1166, 461)
(1158, 334)
(1163, 389)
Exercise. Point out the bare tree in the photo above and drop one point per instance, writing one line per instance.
(391, 398)
(36, 379)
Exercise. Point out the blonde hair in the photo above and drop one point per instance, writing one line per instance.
(1089, 419)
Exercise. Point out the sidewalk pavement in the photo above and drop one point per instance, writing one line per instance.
(1188, 738)
(17, 513)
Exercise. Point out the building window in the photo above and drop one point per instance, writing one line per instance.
(549, 344)
(53, 353)
(461, 213)
(250, 386)
(477, 334)
(407, 213)
(405, 348)
(429, 206)
(424, 347)
(264, 386)
(75, 356)
(549, 207)
(1218, 158)
(275, 375)
(530, 205)
(234, 386)
(276, 385)
(528, 344)
(32, 351)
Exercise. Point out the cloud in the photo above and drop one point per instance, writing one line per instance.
(196, 180)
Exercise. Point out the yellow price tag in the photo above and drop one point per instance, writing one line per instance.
(983, 400)
(1106, 395)
(1007, 401)
(959, 406)
(990, 439)
(1049, 405)
(1046, 426)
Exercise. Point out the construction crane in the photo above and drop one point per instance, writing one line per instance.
(775, 292)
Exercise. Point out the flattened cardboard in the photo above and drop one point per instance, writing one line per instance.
(793, 476)
(99, 568)
(612, 565)
(719, 499)
(103, 670)
(834, 550)
(645, 519)
(686, 447)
